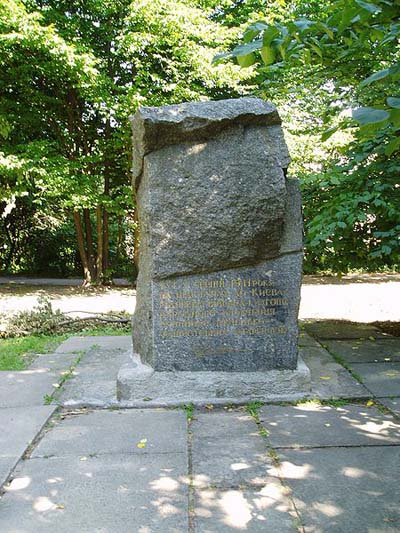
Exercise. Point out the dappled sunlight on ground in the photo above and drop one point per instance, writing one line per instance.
(322, 425)
(239, 509)
(344, 489)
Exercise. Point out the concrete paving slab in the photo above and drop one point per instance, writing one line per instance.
(328, 378)
(56, 363)
(306, 340)
(336, 329)
(26, 387)
(112, 432)
(393, 404)
(227, 450)
(81, 343)
(366, 351)
(267, 510)
(382, 379)
(313, 425)
(88, 393)
(95, 378)
(106, 494)
(20, 425)
(345, 489)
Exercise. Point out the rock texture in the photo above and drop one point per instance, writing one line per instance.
(221, 238)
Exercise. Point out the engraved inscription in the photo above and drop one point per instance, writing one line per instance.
(213, 307)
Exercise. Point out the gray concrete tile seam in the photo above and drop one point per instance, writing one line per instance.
(21, 441)
(99, 431)
(345, 489)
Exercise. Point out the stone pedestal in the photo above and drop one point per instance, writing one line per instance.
(220, 257)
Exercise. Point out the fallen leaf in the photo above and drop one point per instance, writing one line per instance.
(209, 406)
(142, 443)
(60, 506)
(392, 374)
(371, 338)
(369, 403)
(325, 377)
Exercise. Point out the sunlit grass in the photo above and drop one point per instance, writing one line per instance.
(17, 353)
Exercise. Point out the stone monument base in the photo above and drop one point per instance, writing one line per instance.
(138, 385)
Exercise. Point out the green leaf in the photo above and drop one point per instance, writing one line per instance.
(395, 117)
(220, 57)
(246, 60)
(258, 26)
(269, 35)
(369, 7)
(380, 75)
(393, 102)
(253, 31)
(268, 55)
(303, 24)
(326, 29)
(394, 70)
(369, 115)
(316, 49)
(328, 133)
(247, 48)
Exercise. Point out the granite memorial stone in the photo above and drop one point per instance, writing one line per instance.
(220, 255)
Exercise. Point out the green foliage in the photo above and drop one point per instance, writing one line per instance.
(71, 74)
(352, 214)
(333, 69)
(44, 320)
(17, 353)
(189, 410)
(253, 407)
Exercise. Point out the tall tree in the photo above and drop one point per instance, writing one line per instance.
(64, 117)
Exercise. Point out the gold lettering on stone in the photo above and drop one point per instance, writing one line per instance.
(214, 307)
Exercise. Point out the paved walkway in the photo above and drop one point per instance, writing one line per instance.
(327, 465)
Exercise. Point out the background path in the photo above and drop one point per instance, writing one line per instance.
(366, 298)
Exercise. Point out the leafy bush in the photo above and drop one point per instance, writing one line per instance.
(352, 213)
(44, 320)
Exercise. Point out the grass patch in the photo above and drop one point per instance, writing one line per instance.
(188, 408)
(17, 353)
(253, 407)
(104, 330)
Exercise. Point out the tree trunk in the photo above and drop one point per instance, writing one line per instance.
(89, 242)
(99, 261)
(119, 242)
(107, 170)
(81, 246)
(105, 240)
